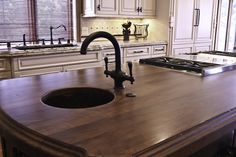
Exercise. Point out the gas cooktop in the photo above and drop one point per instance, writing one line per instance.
(194, 67)
(222, 53)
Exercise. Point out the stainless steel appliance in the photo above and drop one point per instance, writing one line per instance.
(191, 66)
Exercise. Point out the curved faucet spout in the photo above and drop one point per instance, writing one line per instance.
(111, 38)
(51, 28)
(118, 75)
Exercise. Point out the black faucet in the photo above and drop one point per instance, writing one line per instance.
(51, 28)
(24, 41)
(118, 75)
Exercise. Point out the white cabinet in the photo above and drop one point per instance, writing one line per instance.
(44, 64)
(138, 7)
(106, 7)
(139, 52)
(92, 8)
(130, 7)
(192, 22)
(119, 8)
(136, 53)
(147, 7)
(5, 70)
(159, 50)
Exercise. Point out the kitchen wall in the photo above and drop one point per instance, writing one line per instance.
(158, 27)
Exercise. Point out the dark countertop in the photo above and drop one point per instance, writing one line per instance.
(171, 110)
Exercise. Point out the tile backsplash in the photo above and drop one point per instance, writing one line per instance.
(114, 26)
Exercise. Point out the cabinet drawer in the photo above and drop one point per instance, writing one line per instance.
(4, 64)
(82, 66)
(34, 72)
(27, 63)
(137, 51)
(159, 50)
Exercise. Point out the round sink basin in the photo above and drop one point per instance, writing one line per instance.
(81, 97)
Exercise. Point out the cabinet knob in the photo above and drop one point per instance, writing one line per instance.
(99, 7)
(141, 9)
(138, 9)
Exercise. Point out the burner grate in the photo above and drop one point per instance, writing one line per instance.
(178, 64)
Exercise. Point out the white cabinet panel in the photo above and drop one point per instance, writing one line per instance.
(5, 68)
(182, 49)
(109, 7)
(147, 7)
(129, 7)
(204, 31)
(44, 64)
(202, 47)
(136, 53)
(183, 31)
(192, 23)
(159, 50)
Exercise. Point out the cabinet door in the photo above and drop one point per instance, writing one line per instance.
(147, 7)
(107, 7)
(203, 47)
(182, 49)
(204, 30)
(129, 7)
(182, 21)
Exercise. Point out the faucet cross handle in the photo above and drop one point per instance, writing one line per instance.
(130, 66)
(106, 65)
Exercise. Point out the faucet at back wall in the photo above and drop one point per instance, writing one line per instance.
(118, 75)
(51, 35)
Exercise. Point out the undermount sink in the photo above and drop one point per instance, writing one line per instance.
(80, 97)
(42, 46)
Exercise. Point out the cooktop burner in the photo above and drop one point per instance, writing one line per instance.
(201, 68)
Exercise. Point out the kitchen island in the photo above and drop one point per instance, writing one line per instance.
(173, 113)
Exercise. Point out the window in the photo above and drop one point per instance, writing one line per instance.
(34, 18)
(14, 20)
(227, 26)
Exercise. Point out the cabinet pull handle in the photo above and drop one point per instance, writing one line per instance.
(141, 9)
(99, 7)
(110, 54)
(138, 51)
(197, 17)
(138, 9)
(159, 49)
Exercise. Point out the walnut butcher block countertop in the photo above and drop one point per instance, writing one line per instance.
(172, 110)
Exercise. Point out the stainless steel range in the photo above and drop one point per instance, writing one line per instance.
(193, 66)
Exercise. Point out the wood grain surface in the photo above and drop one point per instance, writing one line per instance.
(172, 111)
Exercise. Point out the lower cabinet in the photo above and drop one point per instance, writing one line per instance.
(52, 63)
(44, 64)
(190, 48)
(5, 68)
(136, 53)
(159, 50)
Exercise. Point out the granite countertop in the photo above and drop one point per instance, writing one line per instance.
(94, 46)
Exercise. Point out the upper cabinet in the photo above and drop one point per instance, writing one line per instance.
(107, 7)
(138, 7)
(119, 8)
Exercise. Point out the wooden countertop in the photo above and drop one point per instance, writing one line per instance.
(171, 111)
